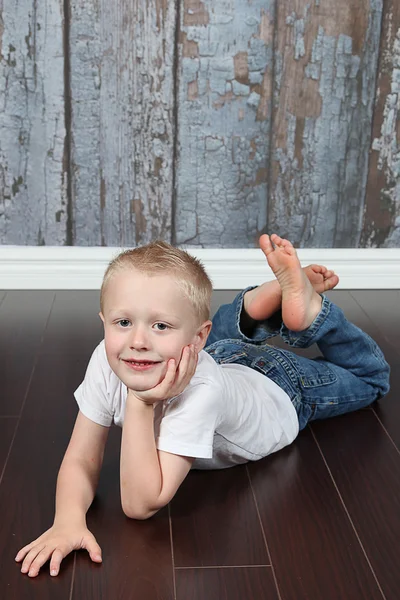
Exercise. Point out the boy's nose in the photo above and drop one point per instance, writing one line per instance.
(138, 340)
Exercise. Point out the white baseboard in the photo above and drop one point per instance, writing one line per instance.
(66, 267)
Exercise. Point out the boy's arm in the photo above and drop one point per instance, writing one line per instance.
(76, 485)
(80, 469)
(151, 477)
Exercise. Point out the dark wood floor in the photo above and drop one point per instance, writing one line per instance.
(318, 520)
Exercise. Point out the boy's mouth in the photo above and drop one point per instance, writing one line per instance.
(140, 365)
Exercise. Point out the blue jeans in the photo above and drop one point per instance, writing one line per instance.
(351, 373)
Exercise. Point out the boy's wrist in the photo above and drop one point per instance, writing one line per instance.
(134, 399)
(70, 518)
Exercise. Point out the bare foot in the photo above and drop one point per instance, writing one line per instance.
(300, 302)
(263, 301)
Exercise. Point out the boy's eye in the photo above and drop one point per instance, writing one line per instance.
(160, 326)
(124, 323)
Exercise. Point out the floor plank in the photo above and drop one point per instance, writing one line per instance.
(74, 324)
(28, 486)
(366, 470)
(137, 555)
(23, 317)
(203, 534)
(7, 429)
(387, 410)
(383, 308)
(226, 584)
(314, 550)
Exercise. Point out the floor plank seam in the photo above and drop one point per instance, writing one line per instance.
(171, 538)
(348, 514)
(224, 567)
(26, 392)
(386, 431)
(376, 325)
(71, 592)
(264, 536)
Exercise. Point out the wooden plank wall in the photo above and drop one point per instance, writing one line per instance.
(202, 122)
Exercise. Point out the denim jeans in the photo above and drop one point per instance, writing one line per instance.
(351, 373)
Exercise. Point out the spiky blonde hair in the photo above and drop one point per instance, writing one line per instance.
(161, 258)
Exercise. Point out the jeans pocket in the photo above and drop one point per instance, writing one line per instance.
(315, 373)
(232, 358)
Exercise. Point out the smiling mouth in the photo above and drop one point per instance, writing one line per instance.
(140, 365)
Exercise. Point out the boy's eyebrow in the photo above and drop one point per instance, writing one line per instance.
(160, 316)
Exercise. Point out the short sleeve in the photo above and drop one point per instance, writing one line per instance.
(92, 395)
(190, 420)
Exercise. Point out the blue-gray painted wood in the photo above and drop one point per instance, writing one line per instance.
(259, 119)
(122, 119)
(326, 59)
(381, 227)
(224, 79)
(32, 134)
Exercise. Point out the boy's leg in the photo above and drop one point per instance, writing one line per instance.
(353, 371)
(254, 315)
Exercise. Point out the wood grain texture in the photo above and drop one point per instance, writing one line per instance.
(225, 584)
(28, 485)
(7, 429)
(74, 324)
(203, 536)
(314, 550)
(121, 77)
(32, 131)
(137, 555)
(326, 58)
(365, 466)
(381, 227)
(224, 105)
(23, 317)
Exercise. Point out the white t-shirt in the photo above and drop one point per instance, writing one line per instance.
(228, 414)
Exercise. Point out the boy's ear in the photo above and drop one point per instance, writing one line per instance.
(202, 335)
(101, 316)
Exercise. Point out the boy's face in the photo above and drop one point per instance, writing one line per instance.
(147, 320)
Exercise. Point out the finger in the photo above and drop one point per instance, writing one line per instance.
(187, 368)
(56, 560)
(184, 361)
(30, 557)
(24, 551)
(94, 549)
(39, 561)
(164, 387)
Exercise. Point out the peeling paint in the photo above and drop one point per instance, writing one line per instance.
(325, 83)
(31, 123)
(382, 220)
(122, 119)
(224, 122)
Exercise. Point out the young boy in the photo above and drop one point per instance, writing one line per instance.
(180, 407)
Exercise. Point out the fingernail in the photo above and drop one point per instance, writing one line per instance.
(53, 572)
(24, 570)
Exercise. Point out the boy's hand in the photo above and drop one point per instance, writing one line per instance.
(55, 544)
(175, 380)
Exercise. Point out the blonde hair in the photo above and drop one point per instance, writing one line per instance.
(161, 258)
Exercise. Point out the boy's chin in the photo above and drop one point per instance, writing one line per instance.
(141, 383)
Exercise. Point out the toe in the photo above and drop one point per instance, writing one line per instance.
(265, 244)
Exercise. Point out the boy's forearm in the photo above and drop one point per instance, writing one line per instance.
(141, 478)
(76, 486)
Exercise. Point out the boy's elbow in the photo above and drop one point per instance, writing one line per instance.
(139, 513)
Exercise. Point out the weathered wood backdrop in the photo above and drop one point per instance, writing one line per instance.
(201, 122)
